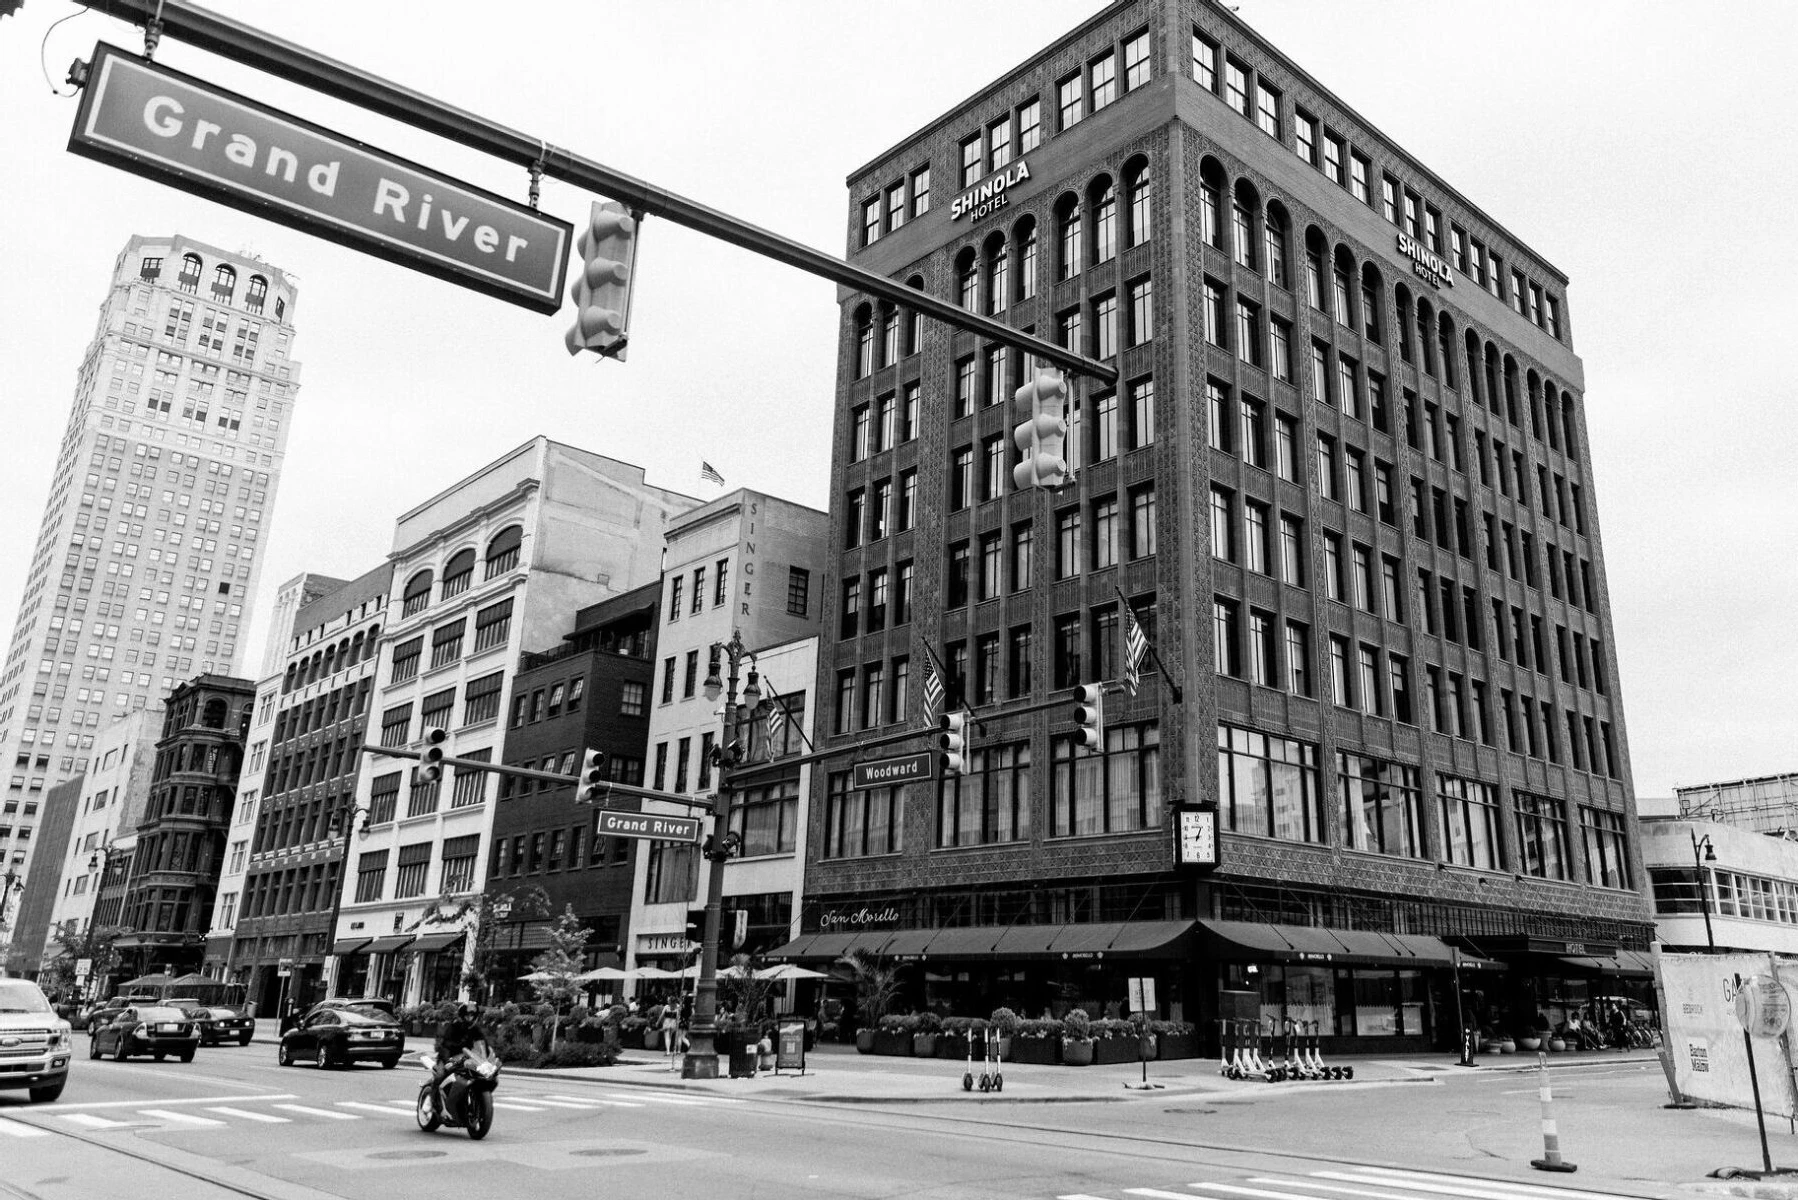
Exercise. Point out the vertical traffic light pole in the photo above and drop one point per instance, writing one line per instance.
(701, 1061)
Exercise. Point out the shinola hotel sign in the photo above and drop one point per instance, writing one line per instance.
(184, 132)
(988, 196)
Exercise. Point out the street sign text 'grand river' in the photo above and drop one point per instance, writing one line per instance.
(172, 127)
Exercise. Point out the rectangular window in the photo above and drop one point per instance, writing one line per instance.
(1542, 845)
(1117, 790)
(1103, 73)
(1267, 109)
(1267, 786)
(409, 877)
(1067, 101)
(481, 702)
(1382, 803)
(493, 625)
(1469, 822)
(1606, 841)
(1204, 61)
(1236, 86)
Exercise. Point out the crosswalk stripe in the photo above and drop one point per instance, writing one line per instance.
(1451, 1185)
(19, 1130)
(559, 1103)
(91, 1121)
(1259, 1193)
(383, 1109)
(163, 1114)
(1079, 1196)
(1522, 1189)
(1338, 1188)
(1157, 1194)
(319, 1112)
(509, 1106)
(646, 1098)
(244, 1114)
(583, 1101)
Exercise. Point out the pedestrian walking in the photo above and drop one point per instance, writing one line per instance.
(673, 1040)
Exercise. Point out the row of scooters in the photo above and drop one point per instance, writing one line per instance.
(1249, 1051)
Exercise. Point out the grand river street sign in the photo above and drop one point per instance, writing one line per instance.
(608, 823)
(182, 131)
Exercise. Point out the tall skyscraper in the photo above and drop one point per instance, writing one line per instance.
(149, 551)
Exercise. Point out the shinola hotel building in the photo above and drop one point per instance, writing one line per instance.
(1344, 482)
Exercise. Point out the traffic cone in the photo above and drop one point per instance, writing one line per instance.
(1551, 1140)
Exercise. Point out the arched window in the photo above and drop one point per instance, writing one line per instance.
(502, 551)
(257, 293)
(889, 336)
(417, 594)
(1342, 288)
(373, 643)
(1551, 414)
(1426, 336)
(214, 717)
(1104, 196)
(287, 682)
(330, 660)
(1025, 238)
(1445, 344)
(1569, 424)
(459, 573)
(864, 341)
(1067, 235)
(280, 307)
(1139, 201)
(1273, 248)
(998, 273)
(1243, 206)
(224, 282)
(189, 279)
(1493, 395)
(1373, 302)
(1211, 203)
(1511, 390)
(967, 280)
(1316, 251)
(1402, 297)
(1473, 366)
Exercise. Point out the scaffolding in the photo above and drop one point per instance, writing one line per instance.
(1768, 804)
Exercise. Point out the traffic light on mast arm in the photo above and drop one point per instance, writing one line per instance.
(1089, 712)
(1042, 435)
(602, 288)
(954, 741)
(593, 777)
(430, 763)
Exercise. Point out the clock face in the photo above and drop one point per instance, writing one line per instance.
(1197, 837)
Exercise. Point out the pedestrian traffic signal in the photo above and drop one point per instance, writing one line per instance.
(954, 741)
(593, 777)
(602, 289)
(1042, 435)
(430, 763)
(1089, 711)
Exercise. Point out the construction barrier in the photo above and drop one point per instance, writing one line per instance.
(1704, 1038)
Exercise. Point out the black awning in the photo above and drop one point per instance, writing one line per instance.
(390, 943)
(1237, 940)
(1124, 939)
(431, 943)
(831, 946)
(352, 945)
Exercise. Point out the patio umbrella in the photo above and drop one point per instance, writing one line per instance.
(536, 977)
(654, 973)
(786, 971)
(605, 974)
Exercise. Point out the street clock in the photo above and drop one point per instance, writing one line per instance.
(1195, 835)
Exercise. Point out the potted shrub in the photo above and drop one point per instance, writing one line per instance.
(1115, 1041)
(876, 986)
(1077, 1038)
(952, 1040)
(1176, 1039)
(1006, 1022)
(893, 1035)
(927, 1027)
(631, 1030)
(1037, 1041)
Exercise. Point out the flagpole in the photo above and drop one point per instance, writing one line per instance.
(943, 674)
(1178, 695)
(777, 699)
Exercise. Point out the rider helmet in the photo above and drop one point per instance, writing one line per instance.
(467, 1010)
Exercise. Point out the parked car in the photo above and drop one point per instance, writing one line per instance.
(148, 1029)
(34, 1041)
(337, 1033)
(219, 1025)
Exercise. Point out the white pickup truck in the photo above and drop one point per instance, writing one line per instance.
(34, 1041)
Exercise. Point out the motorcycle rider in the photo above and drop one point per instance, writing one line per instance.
(454, 1038)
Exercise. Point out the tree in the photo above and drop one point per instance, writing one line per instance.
(876, 983)
(553, 971)
(94, 943)
(490, 911)
(743, 991)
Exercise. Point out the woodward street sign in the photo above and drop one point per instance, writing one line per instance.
(182, 131)
(883, 772)
(654, 826)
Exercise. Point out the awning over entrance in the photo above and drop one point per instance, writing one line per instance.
(353, 945)
(1635, 963)
(432, 943)
(1111, 939)
(390, 943)
(1315, 944)
(831, 945)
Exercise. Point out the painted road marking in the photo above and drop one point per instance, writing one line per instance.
(247, 1115)
(1520, 1189)
(164, 1114)
(238, 1099)
(558, 1103)
(93, 1122)
(319, 1112)
(1329, 1187)
(383, 1109)
(15, 1129)
(1157, 1194)
(645, 1098)
(511, 1107)
(1259, 1193)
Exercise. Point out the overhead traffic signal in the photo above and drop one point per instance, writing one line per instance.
(1042, 435)
(1089, 712)
(602, 289)
(430, 763)
(954, 741)
(593, 777)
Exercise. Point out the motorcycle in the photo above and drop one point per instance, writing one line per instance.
(467, 1093)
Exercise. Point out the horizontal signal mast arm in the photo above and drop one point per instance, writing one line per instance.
(245, 44)
(476, 764)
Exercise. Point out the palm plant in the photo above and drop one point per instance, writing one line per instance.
(876, 983)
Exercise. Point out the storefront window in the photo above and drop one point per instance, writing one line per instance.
(1348, 1002)
(1268, 785)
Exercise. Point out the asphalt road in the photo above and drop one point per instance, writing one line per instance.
(233, 1123)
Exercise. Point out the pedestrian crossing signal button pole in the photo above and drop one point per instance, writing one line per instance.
(430, 763)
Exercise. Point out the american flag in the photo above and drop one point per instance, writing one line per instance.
(777, 718)
(1135, 646)
(709, 474)
(933, 694)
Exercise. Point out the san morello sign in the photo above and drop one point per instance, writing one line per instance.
(182, 131)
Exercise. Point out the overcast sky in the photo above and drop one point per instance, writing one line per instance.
(1644, 147)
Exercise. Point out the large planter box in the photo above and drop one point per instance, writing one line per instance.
(951, 1046)
(1179, 1045)
(888, 1041)
(1110, 1051)
(1044, 1051)
(1078, 1053)
(864, 1041)
(923, 1045)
